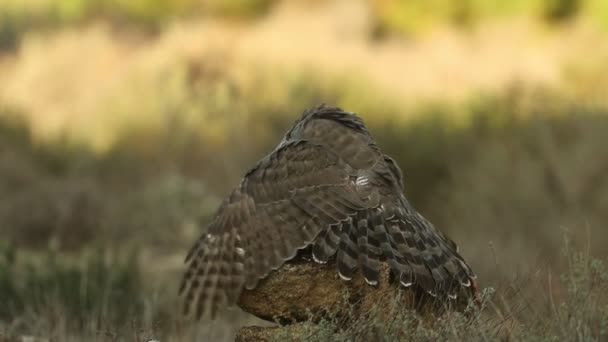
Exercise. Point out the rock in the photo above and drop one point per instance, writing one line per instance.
(297, 291)
(303, 291)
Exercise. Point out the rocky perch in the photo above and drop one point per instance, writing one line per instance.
(302, 291)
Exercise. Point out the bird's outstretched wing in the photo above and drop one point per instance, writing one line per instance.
(280, 206)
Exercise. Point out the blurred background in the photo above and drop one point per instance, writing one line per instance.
(123, 123)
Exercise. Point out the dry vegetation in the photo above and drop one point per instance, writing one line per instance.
(122, 127)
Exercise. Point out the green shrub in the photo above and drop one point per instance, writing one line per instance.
(237, 8)
(412, 17)
(557, 10)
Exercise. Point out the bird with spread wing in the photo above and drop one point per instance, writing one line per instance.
(326, 187)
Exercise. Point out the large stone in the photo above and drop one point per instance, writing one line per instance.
(301, 291)
(297, 291)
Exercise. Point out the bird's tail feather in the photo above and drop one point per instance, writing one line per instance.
(415, 252)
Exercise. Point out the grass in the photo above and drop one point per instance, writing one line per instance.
(72, 293)
(103, 297)
(508, 175)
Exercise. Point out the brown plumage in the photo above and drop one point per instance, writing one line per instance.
(327, 185)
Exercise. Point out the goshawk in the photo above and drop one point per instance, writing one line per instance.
(327, 187)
